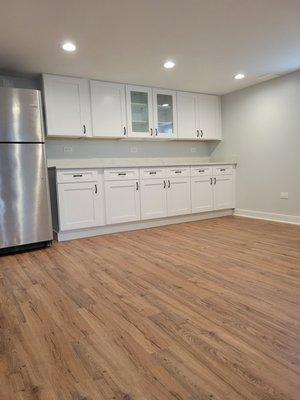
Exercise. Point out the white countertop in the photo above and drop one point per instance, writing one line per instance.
(74, 163)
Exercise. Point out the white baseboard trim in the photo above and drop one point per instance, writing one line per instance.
(289, 219)
(130, 226)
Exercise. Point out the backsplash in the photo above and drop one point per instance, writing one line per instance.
(95, 148)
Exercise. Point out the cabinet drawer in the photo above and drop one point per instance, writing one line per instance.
(148, 173)
(79, 175)
(178, 172)
(120, 174)
(223, 170)
(201, 171)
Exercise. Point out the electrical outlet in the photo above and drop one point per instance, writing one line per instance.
(193, 149)
(284, 195)
(68, 149)
(133, 149)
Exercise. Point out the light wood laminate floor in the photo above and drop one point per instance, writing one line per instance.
(198, 311)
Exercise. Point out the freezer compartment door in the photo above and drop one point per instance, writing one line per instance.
(25, 215)
(20, 115)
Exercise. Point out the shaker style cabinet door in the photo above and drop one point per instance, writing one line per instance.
(153, 198)
(202, 193)
(209, 117)
(67, 106)
(179, 196)
(81, 205)
(164, 114)
(122, 199)
(139, 111)
(108, 102)
(187, 115)
(224, 192)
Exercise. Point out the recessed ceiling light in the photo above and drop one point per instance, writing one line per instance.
(239, 76)
(169, 64)
(68, 46)
(165, 105)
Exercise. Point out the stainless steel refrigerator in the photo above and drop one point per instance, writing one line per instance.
(25, 213)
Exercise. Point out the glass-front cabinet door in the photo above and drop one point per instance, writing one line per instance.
(139, 111)
(165, 114)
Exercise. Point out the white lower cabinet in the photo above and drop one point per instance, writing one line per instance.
(224, 192)
(81, 205)
(153, 198)
(122, 199)
(92, 198)
(202, 194)
(179, 196)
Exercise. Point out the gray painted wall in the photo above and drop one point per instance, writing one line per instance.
(261, 129)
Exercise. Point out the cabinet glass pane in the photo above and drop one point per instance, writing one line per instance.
(165, 113)
(139, 112)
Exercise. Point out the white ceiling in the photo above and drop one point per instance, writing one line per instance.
(128, 40)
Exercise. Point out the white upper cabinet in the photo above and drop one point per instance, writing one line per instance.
(108, 101)
(187, 115)
(139, 111)
(164, 113)
(67, 106)
(199, 116)
(209, 117)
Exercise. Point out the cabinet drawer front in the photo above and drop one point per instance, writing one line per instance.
(76, 176)
(120, 174)
(148, 173)
(223, 170)
(201, 171)
(177, 172)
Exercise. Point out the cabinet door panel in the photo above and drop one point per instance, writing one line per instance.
(153, 198)
(122, 200)
(108, 109)
(139, 111)
(165, 113)
(202, 194)
(67, 106)
(178, 196)
(224, 192)
(187, 115)
(209, 116)
(81, 205)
